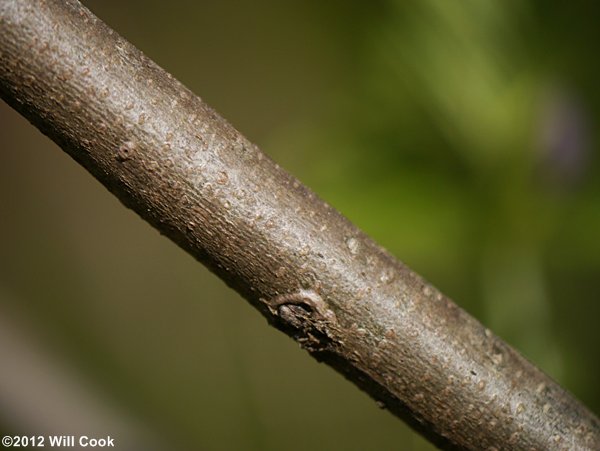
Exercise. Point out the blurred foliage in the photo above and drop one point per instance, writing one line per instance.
(460, 135)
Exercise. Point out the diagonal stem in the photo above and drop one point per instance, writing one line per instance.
(314, 275)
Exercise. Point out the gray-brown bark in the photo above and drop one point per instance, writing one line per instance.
(313, 274)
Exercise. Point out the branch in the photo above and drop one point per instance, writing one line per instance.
(313, 274)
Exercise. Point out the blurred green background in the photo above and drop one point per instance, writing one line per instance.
(460, 135)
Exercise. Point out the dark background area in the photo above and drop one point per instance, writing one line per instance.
(460, 135)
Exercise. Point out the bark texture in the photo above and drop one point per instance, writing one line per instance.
(314, 275)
